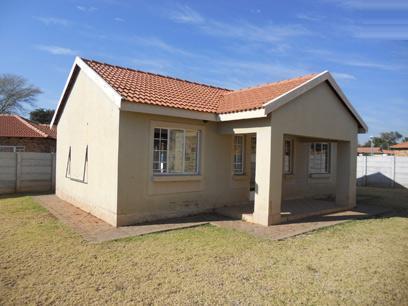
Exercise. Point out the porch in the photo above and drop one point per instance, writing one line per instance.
(291, 210)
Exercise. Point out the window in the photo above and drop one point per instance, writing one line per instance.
(12, 148)
(175, 151)
(288, 157)
(319, 158)
(238, 161)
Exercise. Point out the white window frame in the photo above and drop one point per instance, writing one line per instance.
(291, 151)
(240, 170)
(198, 168)
(15, 148)
(328, 159)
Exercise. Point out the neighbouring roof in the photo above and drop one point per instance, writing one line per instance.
(399, 146)
(363, 150)
(375, 150)
(16, 126)
(144, 87)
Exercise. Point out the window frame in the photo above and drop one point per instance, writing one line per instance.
(16, 149)
(328, 158)
(291, 158)
(240, 171)
(198, 153)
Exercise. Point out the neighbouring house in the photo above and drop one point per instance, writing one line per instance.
(18, 134)
(373, 151)
(400, 149)
(135, 146)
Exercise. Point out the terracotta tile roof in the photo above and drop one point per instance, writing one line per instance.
(402, 145)
(143, 87)
(254, 97)
(149, 88)
(16, 126)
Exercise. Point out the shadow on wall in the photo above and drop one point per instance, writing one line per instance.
(378, 180)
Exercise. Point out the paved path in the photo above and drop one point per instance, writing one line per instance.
(96, 230)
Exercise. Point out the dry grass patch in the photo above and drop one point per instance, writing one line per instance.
(43, 262)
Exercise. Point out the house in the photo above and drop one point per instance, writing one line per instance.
(135, 146)
(373, 151)
(400, 149)
(18, 134)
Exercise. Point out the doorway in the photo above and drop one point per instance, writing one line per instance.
(253, 169)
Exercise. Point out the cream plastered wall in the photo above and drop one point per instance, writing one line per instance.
(300, 183)
(142, 196)
(90, 119)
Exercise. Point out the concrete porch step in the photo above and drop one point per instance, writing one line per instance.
(239, 212)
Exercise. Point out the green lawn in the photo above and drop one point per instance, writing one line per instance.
(43, 262)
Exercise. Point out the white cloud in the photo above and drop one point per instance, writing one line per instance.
(239, 30)
(350, 60)
(86, 8)
(372, 4)
(184, 14)
(118, 19)
(381, 31)
(309, 17)
(56, 50)
(157, 43)
(53, 21)
(343, 76)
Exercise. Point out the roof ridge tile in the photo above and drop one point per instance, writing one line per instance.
(30, 125)
(156, 74)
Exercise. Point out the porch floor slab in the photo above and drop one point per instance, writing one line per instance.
(286, 230)
(292, 210)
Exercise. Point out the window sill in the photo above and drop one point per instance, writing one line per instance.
(319, 175)
(176, 178)
(239, 177)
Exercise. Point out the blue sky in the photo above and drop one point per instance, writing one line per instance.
(230, 44)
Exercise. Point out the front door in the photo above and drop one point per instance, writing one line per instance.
(253, 167)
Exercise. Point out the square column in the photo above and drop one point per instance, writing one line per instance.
(346, 174)
(268, 177)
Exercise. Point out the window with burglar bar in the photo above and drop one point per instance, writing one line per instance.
(12, 148)
(176, 151)
(238, 160)
(319, 158)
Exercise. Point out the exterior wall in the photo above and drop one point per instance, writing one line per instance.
(141, 196)
(90, 120)
(300, 183)
(31, 144)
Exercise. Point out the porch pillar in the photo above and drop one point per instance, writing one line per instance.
(268, 177)
(346, 174)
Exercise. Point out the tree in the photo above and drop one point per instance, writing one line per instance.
(16, 94)
(405, 139)
(42, 115)
(385, 140)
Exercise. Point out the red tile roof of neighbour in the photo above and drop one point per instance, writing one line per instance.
(375, 150)
(402, 145)
(149, 88)
(16, 126)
